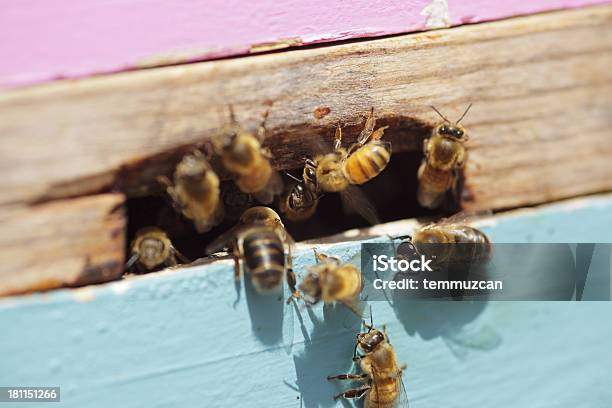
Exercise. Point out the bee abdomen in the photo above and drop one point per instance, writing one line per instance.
(367, 162)
(265, 259)
(433, 184)
(384, 393)
(481, 246)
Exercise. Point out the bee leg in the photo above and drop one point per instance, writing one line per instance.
(129, 265)
(180, 256)
(357, 359)
(291, 282)
(171, 261)
(358, 377)
(367, 129)
(355, 393)
(338, 138)
(378, 133)
(261, 130)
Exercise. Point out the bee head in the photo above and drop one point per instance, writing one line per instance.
(450, 130)
(311, 288)
(370, 340)
(193, 167)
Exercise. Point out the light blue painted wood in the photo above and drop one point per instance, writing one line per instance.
(181, 339)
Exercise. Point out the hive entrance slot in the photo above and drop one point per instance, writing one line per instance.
(393, 193)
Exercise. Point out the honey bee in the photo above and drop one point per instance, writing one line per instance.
(331, 280)
(445, 155)
(241, 154)
(262, 243)
(301, 201)
(341, 170)
(474, 245)
(151, 249)
(195, 191)
(381, 375)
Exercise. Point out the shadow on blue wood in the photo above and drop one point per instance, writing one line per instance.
(179, 338)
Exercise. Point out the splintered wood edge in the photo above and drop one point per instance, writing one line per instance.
(536, 82)
(71, 242)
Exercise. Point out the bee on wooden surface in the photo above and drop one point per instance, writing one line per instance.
(300, 202)
(380, 375)
(242, 155)
(262, 244)
(451, 239)
(151, 249)
(195, 191)
(444, 157)
(330, 280)
(342, 169)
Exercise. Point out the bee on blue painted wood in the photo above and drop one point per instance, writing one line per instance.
(263, 246)
(152, 249)
(381, 375)
(452, 232)
(445, 155)
(331, 280)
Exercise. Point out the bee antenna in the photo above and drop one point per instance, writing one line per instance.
(371, 319)
(291, 176)
(231, 113)
(438, 112)
(464, 113)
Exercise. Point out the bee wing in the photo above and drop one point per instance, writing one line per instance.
(357, 306)
(464, 217)
(222, 241)
(402, 396)
(402, 400)
(354, 200)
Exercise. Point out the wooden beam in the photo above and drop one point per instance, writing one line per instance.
(540, 127)
(70, 242)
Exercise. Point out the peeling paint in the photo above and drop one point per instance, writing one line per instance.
(436, 14)
(276, 45)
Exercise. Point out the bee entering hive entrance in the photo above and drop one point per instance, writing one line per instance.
(393, 194)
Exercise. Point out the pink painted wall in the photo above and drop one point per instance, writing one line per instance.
(54, 39)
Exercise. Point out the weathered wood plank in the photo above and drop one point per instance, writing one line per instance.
(540, 127)
(182, 338)
(64, 243)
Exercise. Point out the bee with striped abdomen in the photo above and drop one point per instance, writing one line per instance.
(195, 191)
(341, 170)
(380, 375)
(445, 155)
(451, 239)
(242, 154)
(262, 244)
(330, 280)
(152, 249)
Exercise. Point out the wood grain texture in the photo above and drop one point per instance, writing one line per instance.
(540, 127)
(187, 338)
(118, 35)
(65, 243)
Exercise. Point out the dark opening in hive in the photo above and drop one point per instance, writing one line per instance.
(393, 193)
